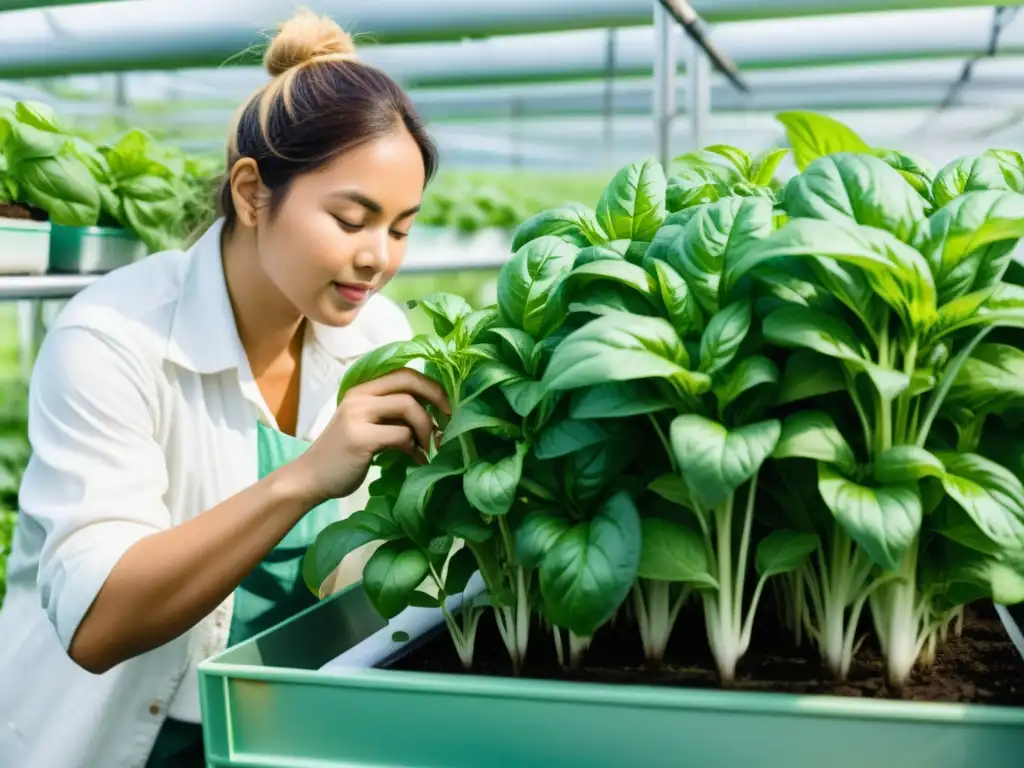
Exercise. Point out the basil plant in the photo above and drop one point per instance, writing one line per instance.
(712, 382)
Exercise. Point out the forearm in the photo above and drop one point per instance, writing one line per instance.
(169, 581)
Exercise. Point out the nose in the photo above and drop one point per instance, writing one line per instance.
(373, 252)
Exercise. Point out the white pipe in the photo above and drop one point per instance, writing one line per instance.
(190, 33)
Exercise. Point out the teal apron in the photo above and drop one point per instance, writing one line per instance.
(271, 593)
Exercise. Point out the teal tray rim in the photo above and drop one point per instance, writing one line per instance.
(116, 232)
(637, 696)
(26, 226)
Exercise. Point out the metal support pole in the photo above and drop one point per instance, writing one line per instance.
(665, 64)
(698, 75)
(609, 98)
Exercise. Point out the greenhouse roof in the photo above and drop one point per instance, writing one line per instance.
(125, 35)
(551, 76)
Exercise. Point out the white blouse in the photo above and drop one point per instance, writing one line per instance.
(142, 414)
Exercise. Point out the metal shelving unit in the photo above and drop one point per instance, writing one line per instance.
(29, 287)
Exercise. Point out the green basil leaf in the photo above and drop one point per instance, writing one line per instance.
(991, 380)
(574, 223)
(477, 414)
(680, 306)
(672, 488)
(616, 400)
(813, 435)
(968, 242)
(444, 309)
(883, 521)
(855, 187)
(784, 551)
(906, 464)
(618, 271)
(409, 510)
(568, 436)
(722, 338)
(380, 361)
(712, 239)
(391, 576)
(622, 348)
(632, 206)
(338, 540)
(460, 570)
(998, 305)
(528, 285)
(990, 494)
(808, 374)
(750, 372)
(968, 174)
(716, 461)
(673, 552)
(459, 519)
(589, 570)
(537, 534)
(762, 171)
(797, 327)
(491, 487)
(63, 187)
(813, 136)
(898, 273)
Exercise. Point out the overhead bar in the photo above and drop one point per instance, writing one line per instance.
(159, 34)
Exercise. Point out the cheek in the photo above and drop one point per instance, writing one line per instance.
(396, 258)
(299, 251)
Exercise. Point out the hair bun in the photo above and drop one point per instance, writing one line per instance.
(303, 38)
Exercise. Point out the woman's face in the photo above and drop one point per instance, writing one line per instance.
(340, 233)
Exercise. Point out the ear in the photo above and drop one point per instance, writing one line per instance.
(246, 190)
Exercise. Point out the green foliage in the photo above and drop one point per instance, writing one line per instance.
(711, 377)
(135, 183)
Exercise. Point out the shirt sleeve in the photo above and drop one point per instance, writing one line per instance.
(96, 480)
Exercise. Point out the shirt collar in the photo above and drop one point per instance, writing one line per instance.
(204, 336)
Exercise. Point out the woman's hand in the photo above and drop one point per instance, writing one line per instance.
(384, 413)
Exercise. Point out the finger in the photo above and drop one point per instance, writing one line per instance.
(406, 408)
(409, 381)
(396, 436)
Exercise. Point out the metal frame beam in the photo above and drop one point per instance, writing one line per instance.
(196, 33)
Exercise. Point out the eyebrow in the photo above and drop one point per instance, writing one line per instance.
(371, 205)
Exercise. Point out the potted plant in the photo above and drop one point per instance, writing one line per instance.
(142, 191)
(42, 183)
(710, 396)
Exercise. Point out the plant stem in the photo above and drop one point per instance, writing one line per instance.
(851, 385)
(664, 442)
(903, 403)
(939, 396)
(538, 490)
(900, 625)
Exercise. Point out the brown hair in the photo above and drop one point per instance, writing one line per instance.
(321, 102)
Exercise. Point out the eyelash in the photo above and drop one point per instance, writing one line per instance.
(349, 227)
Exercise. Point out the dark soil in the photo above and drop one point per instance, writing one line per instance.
(18, 211)
(979, 667)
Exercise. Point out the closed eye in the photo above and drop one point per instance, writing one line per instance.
(348, 226)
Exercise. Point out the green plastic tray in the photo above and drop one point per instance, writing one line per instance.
(265, 704)
(93, 250)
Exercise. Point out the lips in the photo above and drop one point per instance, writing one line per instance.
(356, 294)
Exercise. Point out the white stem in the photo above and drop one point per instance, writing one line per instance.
(903, 620)
(559, 650)
(577, 647)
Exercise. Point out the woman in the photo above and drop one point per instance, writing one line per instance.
(170, 494)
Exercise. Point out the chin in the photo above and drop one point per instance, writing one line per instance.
(333, 316)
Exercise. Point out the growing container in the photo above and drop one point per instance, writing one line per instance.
(91, 250)
(447, 248)
(268, 702)
(24, 246)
